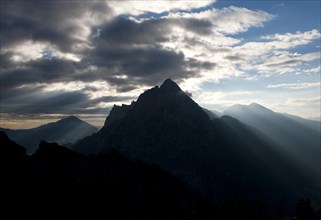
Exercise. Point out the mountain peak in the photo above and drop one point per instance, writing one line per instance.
(258, 107)
(70, 118)
(254, 104)
(170, 86)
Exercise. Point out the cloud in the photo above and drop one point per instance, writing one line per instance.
(29, 50)
(287, 62)
(140, 65)
(34, 101)
(229, 20)
(284, 63)
(278, 43)
(50, 21)
(54, 98)
(142, 7)
(295, 39)
(221, 98)
(272, 55)
(234, 57)
(141, 33)
(312, 70)
(233, 20)
(39, 71)
(304, 101)
(303, 106)
(144, 58)
(311, 56)
(103, 52)
(294, 85)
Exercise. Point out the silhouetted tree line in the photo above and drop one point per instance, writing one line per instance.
(58, 181)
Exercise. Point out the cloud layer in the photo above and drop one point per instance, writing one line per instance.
(84, 60)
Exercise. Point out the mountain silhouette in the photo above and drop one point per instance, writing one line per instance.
(165, 126)
(65, 131)
(108, 185)
(297, 137)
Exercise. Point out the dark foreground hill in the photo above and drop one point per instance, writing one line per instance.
(165, 126)
(65, 131)
(58, 181)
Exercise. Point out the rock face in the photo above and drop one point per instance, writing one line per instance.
(117, 113)
(65, 131)
(165, 126)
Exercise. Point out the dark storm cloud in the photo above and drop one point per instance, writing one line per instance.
(197, 65)
(37, 102)
(108, 99)
(123, 48)
(137, 62)
(148, 66)
(19, 100)
(130, 48)
(221, 50)
(33, 100)
(38, 71)
(126, 88)
(115, 53)
(197, 26)
(5, 61)
(122, 31)
(234, 57)
(49, 21)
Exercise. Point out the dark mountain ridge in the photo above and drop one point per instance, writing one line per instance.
(61, 181)
(165, 126)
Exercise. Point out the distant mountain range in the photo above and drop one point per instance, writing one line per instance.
(254, 114)
(212, 155)
(297, 137)
(65, 131)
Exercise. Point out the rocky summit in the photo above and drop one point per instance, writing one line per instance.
(166, 127)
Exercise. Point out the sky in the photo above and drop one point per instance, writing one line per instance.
(62, 58)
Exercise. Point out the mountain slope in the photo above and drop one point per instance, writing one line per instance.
(165, 126)
(210, 113)
(315, 125)
(65, 131)
(295, 135)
